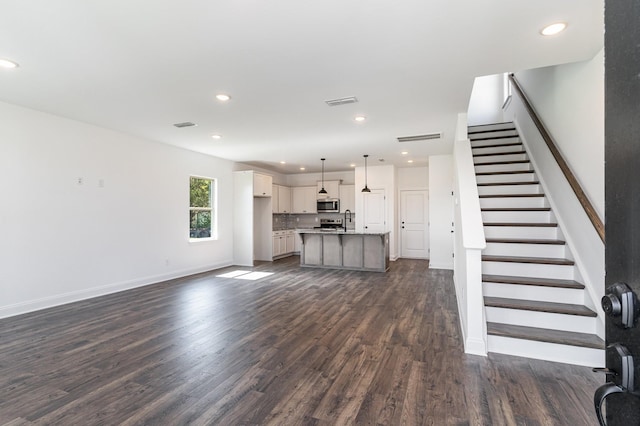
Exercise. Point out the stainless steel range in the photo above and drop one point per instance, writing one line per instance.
(330, 224)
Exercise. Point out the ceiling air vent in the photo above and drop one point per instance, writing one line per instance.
(185, 124)
(342, 101)
(418, 138)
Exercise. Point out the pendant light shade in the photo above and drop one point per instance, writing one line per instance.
(322, 191)
(366, 188)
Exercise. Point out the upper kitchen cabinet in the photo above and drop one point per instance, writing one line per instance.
(331, 186)
(262, 185)
(347, 198)
(281, 199)
(304, 199)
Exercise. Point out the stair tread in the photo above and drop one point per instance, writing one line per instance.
(534, 305)
(504, 172)
(497, 163)
(533, 224)
(516, 209)
(529, 182)
(527, 259)
(491, 154)
(526, 241)
(542, 282)
(545, 335)
(509, 195)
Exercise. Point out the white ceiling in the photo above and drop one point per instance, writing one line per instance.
(139, 66)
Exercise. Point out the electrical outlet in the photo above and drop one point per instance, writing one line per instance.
(80, 181)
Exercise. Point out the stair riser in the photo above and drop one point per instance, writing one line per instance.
(516, 177)
(525, 250)
(508, 147)
(509, 189)
(551, 321)
(517, 216)
(522, 232)
(532, 292)
(513, 202)
(503, 167)
(534, 270)
(496, 138)
(500, 158)
(546, 351)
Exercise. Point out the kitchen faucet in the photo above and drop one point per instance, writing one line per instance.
(345, 218)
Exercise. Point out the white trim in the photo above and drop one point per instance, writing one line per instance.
(76, 296)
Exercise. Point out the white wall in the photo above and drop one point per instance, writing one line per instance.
(487, 98)
(61, 241)
(310, 179)
(441, 211)
(570, 101)
(585, 246)
(413, 178)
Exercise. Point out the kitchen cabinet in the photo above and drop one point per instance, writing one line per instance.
(283, 243)
(284, 199)
(290, 242)
(347, 198)
(304, 199)
(332, 188)
(262, 185)
(281, 199)
(278, 243)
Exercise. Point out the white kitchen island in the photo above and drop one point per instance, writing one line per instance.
(338, 249)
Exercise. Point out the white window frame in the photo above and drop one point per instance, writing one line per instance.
(213, 232)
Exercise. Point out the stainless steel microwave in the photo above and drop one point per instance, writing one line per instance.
(328, 205)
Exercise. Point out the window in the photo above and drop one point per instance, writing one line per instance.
(202, 208)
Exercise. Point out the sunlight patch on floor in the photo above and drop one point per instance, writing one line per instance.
(245, 275)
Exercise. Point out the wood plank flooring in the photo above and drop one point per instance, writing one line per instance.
(299, 347)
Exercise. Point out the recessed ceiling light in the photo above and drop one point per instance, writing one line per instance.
(5, 63)
(404, 152)
(283, 162)
(216, 136)
(553, 29)
(409, 161)
(352, 165)
(360, 118)
(222, 97)
(301, 168)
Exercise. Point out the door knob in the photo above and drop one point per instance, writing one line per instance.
(621, 303)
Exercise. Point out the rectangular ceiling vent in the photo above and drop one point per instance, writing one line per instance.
(185, 124)
(417, 138)
(342, 101)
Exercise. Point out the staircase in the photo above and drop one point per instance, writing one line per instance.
(534, 300)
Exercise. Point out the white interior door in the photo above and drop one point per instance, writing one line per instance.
(374, 211)
(414, 224)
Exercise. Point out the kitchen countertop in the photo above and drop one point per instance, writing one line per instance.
(337, 231)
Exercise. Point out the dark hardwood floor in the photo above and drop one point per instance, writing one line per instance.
(299, 347)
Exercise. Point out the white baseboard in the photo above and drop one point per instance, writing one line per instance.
(440, 265)
(76, 296)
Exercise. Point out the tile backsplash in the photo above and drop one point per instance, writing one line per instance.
(306, 221)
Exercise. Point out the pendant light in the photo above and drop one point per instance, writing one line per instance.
(366, 188)
(322, 191)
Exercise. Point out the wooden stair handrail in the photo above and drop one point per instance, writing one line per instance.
(568, 174)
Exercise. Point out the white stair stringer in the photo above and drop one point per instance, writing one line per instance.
(541, 310)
